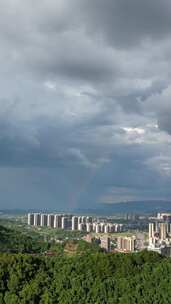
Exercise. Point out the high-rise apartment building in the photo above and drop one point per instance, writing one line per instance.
(97, 228)
(106, 228)
(79, 219)
(83, 219)
(43, 220)
(111, 228)
(89, 219)
(30, 219)
(89, 227)
(58, 221)
(64, 222)
(81, 226)
(74, 223)
(37, 218)
(50, 220)
(151, 230)
(163, 231)
(102, 227)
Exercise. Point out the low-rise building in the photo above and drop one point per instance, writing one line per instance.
(105, 243)
(126, 244)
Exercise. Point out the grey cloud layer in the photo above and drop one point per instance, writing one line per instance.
(85, 90)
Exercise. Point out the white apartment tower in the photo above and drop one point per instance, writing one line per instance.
(50, 220)
(64, 222)
(58, 221)
(89, 227)
(81, 227)
(151, 230)
(43, 220)
(83, 219)
(98, 228)
(74, 223)
(37, 218)
(30, 219)
(89, 219)
(163, 231)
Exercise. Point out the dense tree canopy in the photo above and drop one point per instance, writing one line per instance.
(143, 278)
(15, 241)
(78, 273)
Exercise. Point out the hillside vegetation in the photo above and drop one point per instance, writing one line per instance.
(143, 278)
(78, 273)
(16, 241)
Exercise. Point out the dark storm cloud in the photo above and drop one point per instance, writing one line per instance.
(74, 40)
(125, 23)
(126, 178)
(159, 103)
(164, 121)
(85, 100)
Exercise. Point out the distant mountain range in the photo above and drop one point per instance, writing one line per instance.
(150, 206)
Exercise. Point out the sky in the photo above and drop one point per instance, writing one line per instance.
(85, 102)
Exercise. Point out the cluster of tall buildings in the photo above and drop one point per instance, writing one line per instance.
(160, 234)
(164, 217)
(101, 227)
(70, 222)
(50, 220)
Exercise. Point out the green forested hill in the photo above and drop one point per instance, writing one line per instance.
(15, 241)
(78, 273)
(96, 278)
